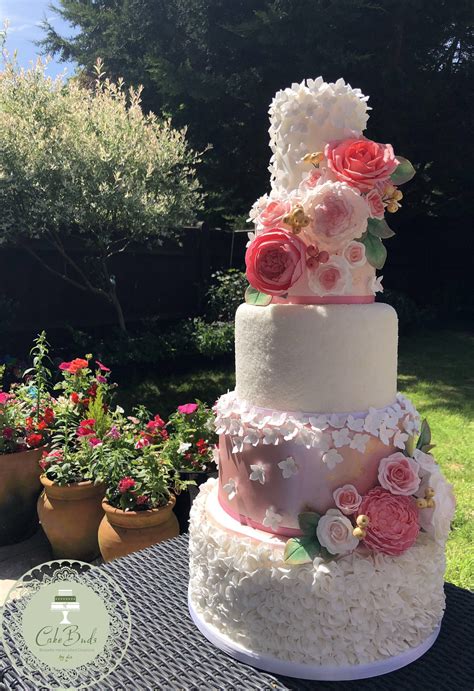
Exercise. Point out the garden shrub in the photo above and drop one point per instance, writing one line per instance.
(225, 294)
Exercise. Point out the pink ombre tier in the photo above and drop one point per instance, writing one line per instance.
(310, 489)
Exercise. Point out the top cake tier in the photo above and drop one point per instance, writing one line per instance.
(319, 234)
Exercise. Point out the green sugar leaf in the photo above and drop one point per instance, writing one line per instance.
(403, 172)
(374, 250)
(301, 550)
(379, 228)
(255, 297)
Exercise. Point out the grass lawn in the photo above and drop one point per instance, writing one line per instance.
(436, 370)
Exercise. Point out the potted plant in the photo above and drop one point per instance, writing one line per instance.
(191, 450)
(26, 416)
(85, 437)
(139, 500)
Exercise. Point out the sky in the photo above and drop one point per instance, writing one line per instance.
(24, 17)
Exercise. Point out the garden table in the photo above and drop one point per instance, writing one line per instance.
(167, 652)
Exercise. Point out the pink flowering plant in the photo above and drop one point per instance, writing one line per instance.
(191, 446)
(26, 410)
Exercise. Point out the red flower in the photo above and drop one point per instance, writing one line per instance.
(92, 390)
(164, 434)
(126, 484)
(142, 499)
(41, 425)
(86, 428)
(44, 464)
(74, 366)
(7, 433)
(29, 423)
(74, 397)
(102, 367)
(34, 440)
(202, 446)
(48, 416)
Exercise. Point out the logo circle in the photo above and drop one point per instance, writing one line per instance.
(65, 623)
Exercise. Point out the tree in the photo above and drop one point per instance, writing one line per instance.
(214, 65)
(84, 167)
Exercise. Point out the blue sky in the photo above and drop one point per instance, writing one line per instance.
(24, 17)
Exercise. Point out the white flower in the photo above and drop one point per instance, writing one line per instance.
(355, 424)
(272, 519)
(235, 428)
(331, 458)
(271, 436)
(237, 444)
(409, 425)
(321, 441)
(288, 467)
(278, 419)
(375, 284)
(334, 531)
(319, 422)
(426, 462)
(341, 437)
(373, 421)
(437, 521)
(399, 439)
(337, 421)
(332, 278)
(385, 434)
(184, 446)
(359, 442)
(258, 473)
(252, 436)
(289, 430)
(339, 213)
(305, 437)
(119, 409)
(230, 488)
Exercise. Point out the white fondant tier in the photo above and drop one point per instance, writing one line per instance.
(331, 358)
(355, 610)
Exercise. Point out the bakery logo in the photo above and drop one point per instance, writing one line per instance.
(66, 621)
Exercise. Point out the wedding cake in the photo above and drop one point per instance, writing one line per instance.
(320, 551)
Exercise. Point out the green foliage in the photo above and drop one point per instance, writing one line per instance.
(213, 340)
(225, 294)
(86, 164)
(192, 438)
(215, 65)
(375, 250)
(379, 228)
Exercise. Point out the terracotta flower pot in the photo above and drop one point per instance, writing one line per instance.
(123, 532)
(19, 489)
(70, 517)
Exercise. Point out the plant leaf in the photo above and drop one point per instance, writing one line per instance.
(301, 550)
(255, 297)
(379, 228)
(425, 435)
(427, 448)
(403, 172)
(374, 250)
(308, 521)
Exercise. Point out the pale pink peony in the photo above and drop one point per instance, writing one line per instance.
(399, 474)
(347, 499)
(393, 521)
(361, 163)
(354, 252)
(275, 261)
(334, 532)
(331, 278)
(374, 200)
(338, 213)
(272, 215)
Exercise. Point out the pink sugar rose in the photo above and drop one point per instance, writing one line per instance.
(272, 215)
(374, 200)
(275, 261)
(334, 532)
(347, 499)
(331, 278)
(393, 521)
(399, 474)
(354, 252)
(338, 212)
(360, 163)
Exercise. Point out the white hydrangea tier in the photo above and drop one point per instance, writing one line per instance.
(359, 610)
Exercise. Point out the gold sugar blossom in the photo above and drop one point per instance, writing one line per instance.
(391, 197)
(428, 502)
(315, 158)
(296, 219)
(362, 522)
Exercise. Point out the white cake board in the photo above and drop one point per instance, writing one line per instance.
(306, 671)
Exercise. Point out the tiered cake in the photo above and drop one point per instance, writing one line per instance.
(319, 552)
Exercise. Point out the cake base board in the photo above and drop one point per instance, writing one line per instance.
(305, 671)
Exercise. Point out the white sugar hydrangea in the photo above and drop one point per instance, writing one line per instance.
(304, 118)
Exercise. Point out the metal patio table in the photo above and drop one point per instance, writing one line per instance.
(167, 652)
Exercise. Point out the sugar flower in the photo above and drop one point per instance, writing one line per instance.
(334, 532)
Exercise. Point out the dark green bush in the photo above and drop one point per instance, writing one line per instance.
(225, 294)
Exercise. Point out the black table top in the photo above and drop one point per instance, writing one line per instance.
(166, 650)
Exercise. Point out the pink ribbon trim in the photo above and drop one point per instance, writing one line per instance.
(245, 520)
(319, 300)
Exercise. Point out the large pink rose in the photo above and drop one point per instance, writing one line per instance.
(393, 521)
(360, 163)
(272, 215)
(399, 474)
(275, 261)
